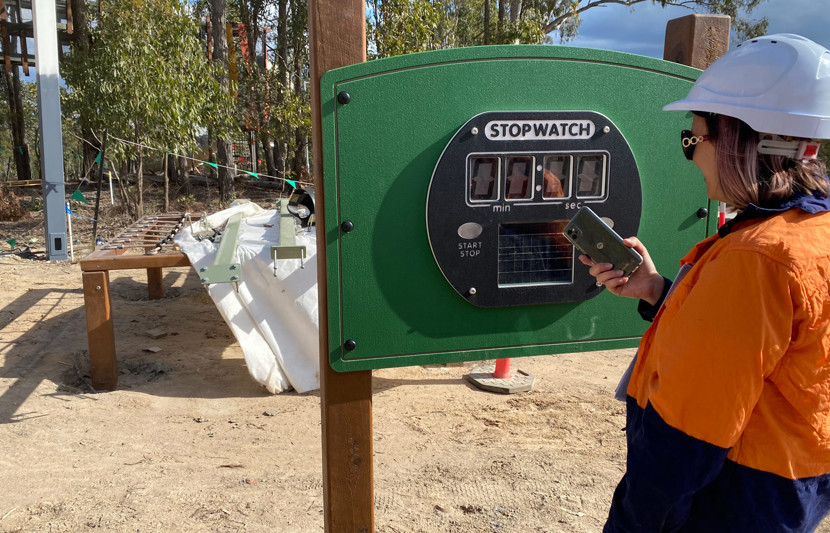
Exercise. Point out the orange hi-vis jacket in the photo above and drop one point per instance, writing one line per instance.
(729, 399)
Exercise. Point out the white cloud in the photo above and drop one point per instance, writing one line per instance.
(642, 30)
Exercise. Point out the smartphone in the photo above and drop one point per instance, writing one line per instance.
(594, 238)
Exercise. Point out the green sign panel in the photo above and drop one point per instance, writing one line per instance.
(449, 177)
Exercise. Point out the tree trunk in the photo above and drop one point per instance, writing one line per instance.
(281, 147)
(139, 175)
(82, 43)
(224, 150)
(139, 185)
(515, 10)
(300, 135)
(164, 170)
(268, 154)
(486, 21)
(183, 175)
(124, 196)
(20, 148)
(378, 45)
(16, 141)
(298, 165)
(501, 19)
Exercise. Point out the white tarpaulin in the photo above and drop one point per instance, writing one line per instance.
(274, 318)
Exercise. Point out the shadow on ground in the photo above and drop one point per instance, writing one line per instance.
(43, 338)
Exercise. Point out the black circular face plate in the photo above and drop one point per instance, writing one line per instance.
(504, 189)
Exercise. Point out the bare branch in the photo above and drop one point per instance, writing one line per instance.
(554, 24)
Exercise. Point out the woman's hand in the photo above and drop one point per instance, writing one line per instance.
(645, 283)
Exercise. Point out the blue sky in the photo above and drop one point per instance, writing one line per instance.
(616, 27)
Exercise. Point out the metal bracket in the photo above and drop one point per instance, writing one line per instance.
(287, 249)
(224, 269)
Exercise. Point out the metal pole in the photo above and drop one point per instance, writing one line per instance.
(252, 143)
(69, 224)
(49, 121)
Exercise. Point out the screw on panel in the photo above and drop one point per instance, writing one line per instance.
(474, 131)
(203, 269)
(343, 97)
(472, 291)
(204, 280)
(702, 212)
(350, 345)
(347, 226)
(606, 129)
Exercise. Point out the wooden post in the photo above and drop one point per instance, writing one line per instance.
(24, 53)
(696, 40)
(155, 287)
(4, 32)
(100, 330)
(337, 37)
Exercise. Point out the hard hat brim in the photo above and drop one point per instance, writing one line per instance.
(780, 123)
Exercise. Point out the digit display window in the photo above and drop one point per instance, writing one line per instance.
(484, 178)
(534, 254)
(519, 178)
(590, 176)
(557, 177)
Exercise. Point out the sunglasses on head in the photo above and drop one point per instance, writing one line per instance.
(689, 141)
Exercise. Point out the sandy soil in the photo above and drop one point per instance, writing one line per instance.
(188, 442)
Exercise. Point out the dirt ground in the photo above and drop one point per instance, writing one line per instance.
(188, 442)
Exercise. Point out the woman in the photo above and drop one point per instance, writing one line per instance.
(728, 413)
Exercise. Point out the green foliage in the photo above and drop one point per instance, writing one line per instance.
(824, 153)
(402, 26)
(186, 201)
(146, 78)
(405, 26)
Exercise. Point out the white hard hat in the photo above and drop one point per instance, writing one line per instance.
(777, 84)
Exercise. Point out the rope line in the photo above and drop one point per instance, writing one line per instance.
(201, 162)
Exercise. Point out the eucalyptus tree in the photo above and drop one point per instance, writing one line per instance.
(18, 130)
(224, 152)
(146, 79)
(273, 92)
(403, 26)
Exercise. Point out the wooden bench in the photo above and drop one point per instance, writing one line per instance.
(152, 238)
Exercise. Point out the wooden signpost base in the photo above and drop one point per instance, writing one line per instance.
(337, 37)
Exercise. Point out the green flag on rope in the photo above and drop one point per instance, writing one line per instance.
(292, 183)
(254, 174)
(79, 196)
(20, 149)
(98, 158)
(214, 165)
(12, 242)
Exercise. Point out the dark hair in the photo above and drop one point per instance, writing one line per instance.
(747, 177)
